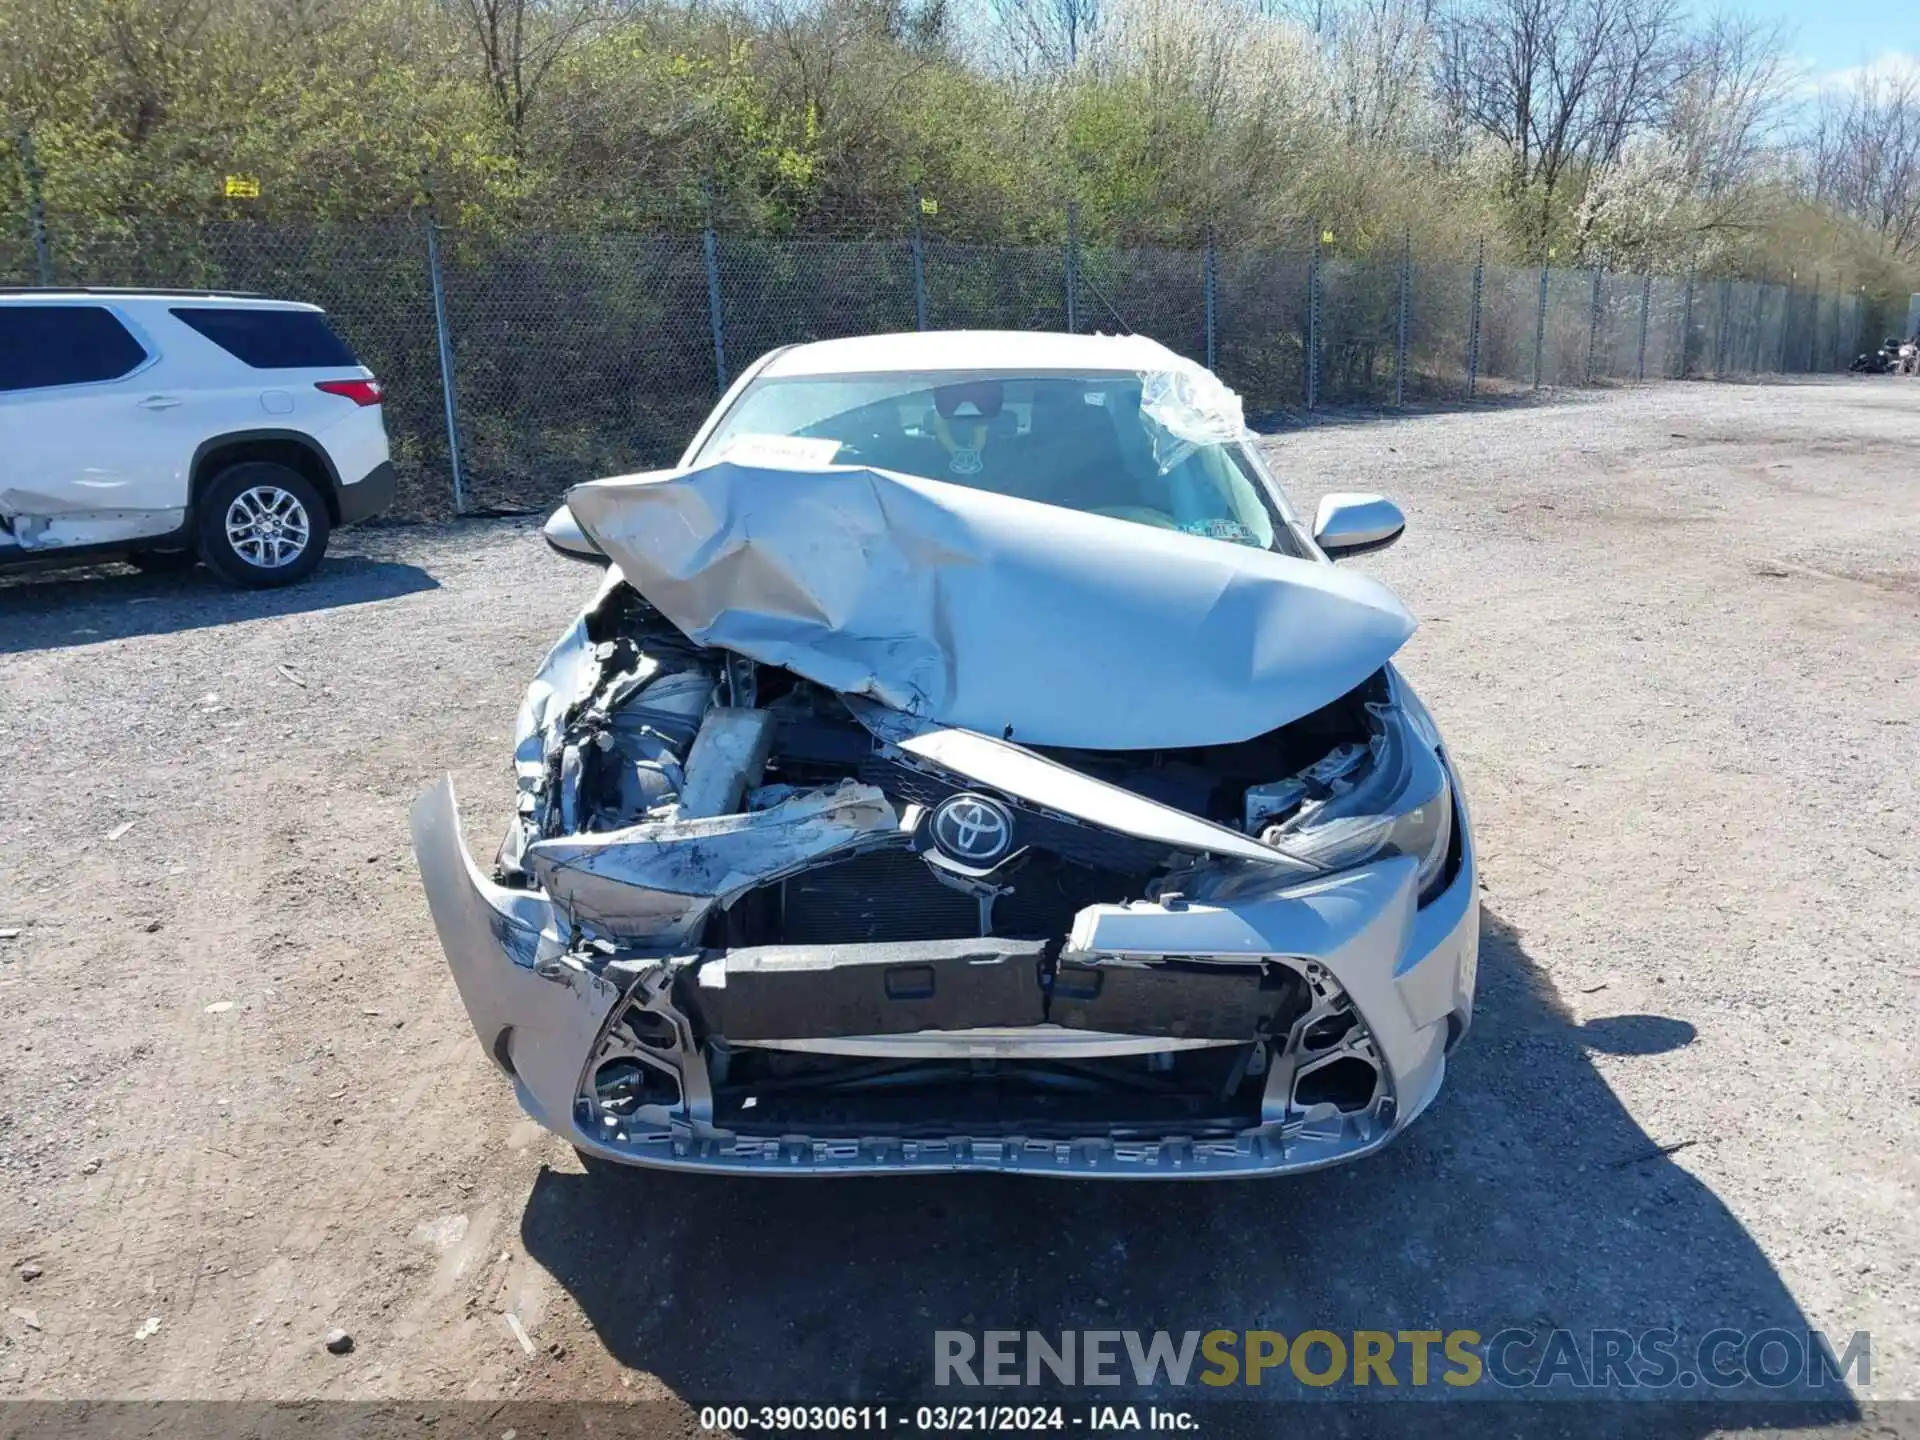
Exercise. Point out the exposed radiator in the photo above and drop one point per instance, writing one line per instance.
(888, 895)
(892, 895)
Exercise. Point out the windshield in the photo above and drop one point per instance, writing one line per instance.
(1078, 441)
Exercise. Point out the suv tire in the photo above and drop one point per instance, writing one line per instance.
(258, 525)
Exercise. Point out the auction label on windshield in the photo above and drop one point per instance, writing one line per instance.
(806, 452)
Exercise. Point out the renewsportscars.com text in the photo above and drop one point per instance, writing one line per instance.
(1511, 1358)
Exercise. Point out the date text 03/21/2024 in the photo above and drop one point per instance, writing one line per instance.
(942, 1419)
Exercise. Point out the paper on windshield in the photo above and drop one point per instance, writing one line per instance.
(804, 451)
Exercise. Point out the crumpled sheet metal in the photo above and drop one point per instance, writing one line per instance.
(658, 880)
(1019, 772)
(36, 521)
(565, 677)
(1005, 616)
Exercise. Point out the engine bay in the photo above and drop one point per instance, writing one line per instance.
(835, 963)
(671, 741)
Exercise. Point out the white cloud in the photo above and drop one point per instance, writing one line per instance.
(1887, 65)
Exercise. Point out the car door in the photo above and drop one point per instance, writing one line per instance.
(280, 366)
(87, 441)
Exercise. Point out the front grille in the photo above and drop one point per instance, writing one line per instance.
(894, 895)
(1087, 845)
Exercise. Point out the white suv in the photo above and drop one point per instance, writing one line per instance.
(168, 425)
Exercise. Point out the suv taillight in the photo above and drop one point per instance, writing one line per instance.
(360, 392)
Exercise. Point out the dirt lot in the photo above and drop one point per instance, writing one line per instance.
(1672, 636)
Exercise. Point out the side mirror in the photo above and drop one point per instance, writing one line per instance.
(564, 534)
(1356, 524)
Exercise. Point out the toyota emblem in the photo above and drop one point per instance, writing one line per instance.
(972, 829)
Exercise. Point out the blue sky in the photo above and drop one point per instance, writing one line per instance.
(1840, 35)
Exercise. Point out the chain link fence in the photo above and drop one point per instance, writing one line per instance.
(518, 364)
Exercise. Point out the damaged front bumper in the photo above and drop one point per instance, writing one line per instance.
(1356, 990)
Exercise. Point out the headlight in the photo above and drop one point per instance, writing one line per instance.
(1391, 799)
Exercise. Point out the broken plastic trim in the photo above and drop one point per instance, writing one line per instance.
(1398, 803)
(1018, 772)
(1322, 1089)
(656, 882)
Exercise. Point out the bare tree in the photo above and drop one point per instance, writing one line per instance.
(1690, 174)
(1728, 114)
(1320, 18)
(1561, 84)
(1866, 156)
(1050, 35)
(520, 41)
(1382, 51)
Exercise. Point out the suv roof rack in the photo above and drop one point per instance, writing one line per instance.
(166, 291)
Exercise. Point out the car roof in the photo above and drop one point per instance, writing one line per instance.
(30, 295)
(946, 350)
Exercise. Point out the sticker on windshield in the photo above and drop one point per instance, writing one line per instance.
(1222, 530)
(802, 452)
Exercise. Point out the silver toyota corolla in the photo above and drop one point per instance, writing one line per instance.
(970, 762)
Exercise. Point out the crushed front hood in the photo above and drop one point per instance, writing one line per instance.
(1003, 616)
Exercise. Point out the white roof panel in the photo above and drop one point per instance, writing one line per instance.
(1005, 350)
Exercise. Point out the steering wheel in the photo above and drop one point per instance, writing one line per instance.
(1140, 515)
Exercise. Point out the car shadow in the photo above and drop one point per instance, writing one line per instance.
(55, 609)
(1527, 1199)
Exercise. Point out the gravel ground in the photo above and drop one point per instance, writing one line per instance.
(1670, 634)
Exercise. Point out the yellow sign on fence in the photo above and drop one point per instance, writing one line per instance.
(243, 187)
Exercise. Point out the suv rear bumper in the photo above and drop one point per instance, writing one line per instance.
(367, 496)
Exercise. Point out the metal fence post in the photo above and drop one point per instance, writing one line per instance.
(1686, 325)
(1072, 264)
(1719, 333)
(1813, 324)
(711, 244)
(1786, 324)
(1540, 325)
(443, 335)
(1473, 322)
(1593, 319)
(1758, 313)
(1646, 307)
(1400, 328)
(1313, 321)
(36, 206)
(919, 263)
(1207, 279)
(1753, 323)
